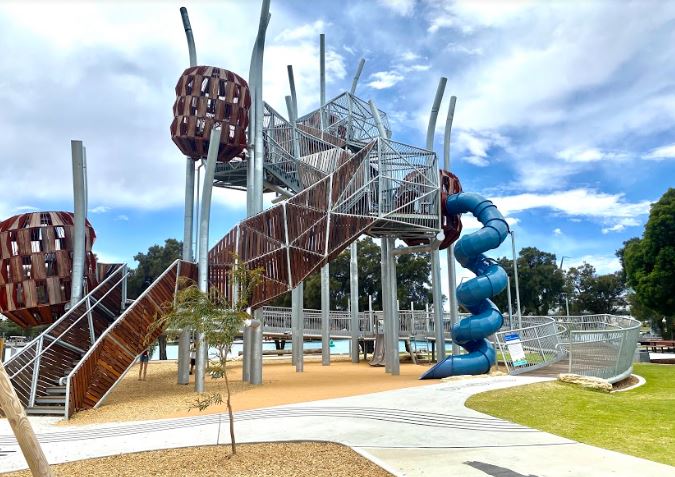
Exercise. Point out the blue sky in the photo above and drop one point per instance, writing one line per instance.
(565, 113)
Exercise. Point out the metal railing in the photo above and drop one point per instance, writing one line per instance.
(601, 345)
(532, 346)
(64, 341)
(413, 323)
(593, 345)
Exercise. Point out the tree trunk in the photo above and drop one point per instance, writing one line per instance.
(229, 410)
(162, 347)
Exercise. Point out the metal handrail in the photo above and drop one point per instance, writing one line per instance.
(55, 339)
(57, 322)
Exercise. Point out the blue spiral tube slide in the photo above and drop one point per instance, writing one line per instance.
(474, 294)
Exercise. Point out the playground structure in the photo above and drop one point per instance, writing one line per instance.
(338, 175)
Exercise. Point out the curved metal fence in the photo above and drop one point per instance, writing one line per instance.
(601, 345)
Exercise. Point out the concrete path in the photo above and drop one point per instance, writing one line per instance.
(422, 431)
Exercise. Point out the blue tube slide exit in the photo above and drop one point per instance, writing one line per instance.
(474, 294)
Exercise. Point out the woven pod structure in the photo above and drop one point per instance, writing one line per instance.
(451, 224)
(206, 95)
(36, 252)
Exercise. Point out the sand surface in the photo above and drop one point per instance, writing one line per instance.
(160, 397)
(298, 459)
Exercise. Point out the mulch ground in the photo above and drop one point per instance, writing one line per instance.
(298, 459)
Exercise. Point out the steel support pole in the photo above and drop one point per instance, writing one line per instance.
(354, 299)
(435, 259)
(322, 78)
(515, 277)
(508, 297)
(394, 321)
(255, 349)
(80, 218)
(325, 315)
(452, 274)
(438, 305)
(246, 354)
(203, 263)
(386, 302)
(254, 189)
(357, 75)
(300, 356)
(188, 219)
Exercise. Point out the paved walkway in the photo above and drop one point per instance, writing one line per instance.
(423, 431)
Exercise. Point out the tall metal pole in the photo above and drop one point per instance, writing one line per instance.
(354, 298)
(435, 256)
(322, 76)
(184, 338)
(325, 316)
(388, 271)
(294, 96)
(450, 255)
(254, 193)
(299, 341)
(386, 302)
(515, 276)
(508, 297)
(395, 321)
(203, 263)
(80, 217)
(357, 75)
(350, 100)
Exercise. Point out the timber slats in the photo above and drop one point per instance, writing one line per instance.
(128, 336)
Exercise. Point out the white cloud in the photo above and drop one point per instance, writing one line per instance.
(401, 7)
(603, 264)
(122, 218)
(100, 209)
(25, 208)
(621, 225)
(309, 31)
(661, 153)
(410, 56)
(384, 79)
(573, 154)
(557, 231)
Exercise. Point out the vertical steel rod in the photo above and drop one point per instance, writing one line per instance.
(203, 264)
(354, 299)
(452, 273)
(322, 78)
(79, 240)
(435, 258)
(325, 315)
(515, 277)
(184, 338)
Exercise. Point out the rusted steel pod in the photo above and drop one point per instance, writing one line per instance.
(451, 224)
(36, 266)
(206, 95)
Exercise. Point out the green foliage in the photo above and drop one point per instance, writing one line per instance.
(649, 262)
(210, 314)
(639, 422)
(152, 264)
(412, 270)
(540, 282)
(592, 293)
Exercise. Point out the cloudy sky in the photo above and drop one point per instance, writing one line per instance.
(565, 113)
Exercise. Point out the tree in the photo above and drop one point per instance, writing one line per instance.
(412, 271)
(219, 321)
(649, 262)
(592, 293)
(150, 266)
(540, 282)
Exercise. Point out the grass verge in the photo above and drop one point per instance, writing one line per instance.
(640, 422)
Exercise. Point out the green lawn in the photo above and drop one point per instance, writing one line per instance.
(639, 422)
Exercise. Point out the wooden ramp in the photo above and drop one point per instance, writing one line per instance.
(117, 348)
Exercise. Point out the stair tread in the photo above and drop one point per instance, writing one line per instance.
(54, 410)
(51, 399)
